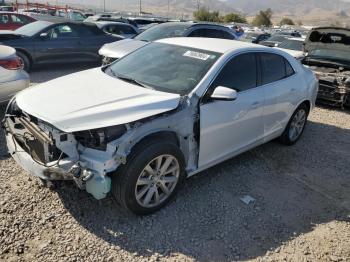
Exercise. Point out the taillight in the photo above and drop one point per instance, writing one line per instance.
(11, 64)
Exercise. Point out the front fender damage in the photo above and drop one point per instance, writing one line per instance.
(91, 169)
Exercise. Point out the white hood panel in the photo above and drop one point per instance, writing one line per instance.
(121, 48)
(92, 99)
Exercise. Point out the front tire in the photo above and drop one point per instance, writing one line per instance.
(153, 174)
(296, 126)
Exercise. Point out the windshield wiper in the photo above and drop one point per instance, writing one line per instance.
(132, 81)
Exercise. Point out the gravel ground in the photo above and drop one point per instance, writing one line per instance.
(301, 210)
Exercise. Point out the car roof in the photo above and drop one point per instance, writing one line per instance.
(211, 44)
(112, 23)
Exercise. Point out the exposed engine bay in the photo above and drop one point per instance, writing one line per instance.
(89, 157)
(328, 55)
(334, 86)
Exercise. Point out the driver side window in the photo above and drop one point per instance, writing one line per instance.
(239, 73)
(61, 31)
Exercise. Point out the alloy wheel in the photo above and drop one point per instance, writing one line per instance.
(157, 181)
(297, 125)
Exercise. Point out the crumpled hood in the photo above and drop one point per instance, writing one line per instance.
(121, 48)
(92, 99)
(328, 38)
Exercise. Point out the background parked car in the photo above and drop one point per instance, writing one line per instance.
(7, 8)
(275, 40)
(255, 37)
(109, 18)
(113, 51)
(12, 77)
(293, 46)
(43, 42)
(118, 29)
(328, 55)
(13, 21)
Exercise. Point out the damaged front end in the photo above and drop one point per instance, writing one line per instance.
(50, 154)
(328, 55)
(90, 157)
(334, 86)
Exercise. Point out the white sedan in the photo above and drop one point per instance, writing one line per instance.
(165, 112)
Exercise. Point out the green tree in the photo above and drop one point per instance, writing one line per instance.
(287, 21)
(263, 18)
(203, 14)
(233, 17)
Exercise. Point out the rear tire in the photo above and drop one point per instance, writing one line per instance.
(142, 185)
(296, 126)
(25, 61)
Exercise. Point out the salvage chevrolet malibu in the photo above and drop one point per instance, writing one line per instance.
(165, 112)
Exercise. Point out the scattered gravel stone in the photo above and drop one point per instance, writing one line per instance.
(301, 212)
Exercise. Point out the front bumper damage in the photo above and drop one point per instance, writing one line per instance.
(334, 87)
(50, 154)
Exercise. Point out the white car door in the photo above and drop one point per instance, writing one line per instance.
(228, 127)
(280, 84)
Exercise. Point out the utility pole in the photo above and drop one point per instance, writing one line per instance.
(104, 6)
(168, 9)
(198, 4)
(140, 7)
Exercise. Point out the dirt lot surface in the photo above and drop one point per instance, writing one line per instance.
(301, 210)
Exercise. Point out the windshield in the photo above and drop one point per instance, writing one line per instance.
(32, 28)
(277, 38)
(163, 31)
(76, 16)
(164, 67)
(329, 54)
(292, 45)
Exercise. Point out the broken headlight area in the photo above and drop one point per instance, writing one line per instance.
(27, 134)
(99, 138)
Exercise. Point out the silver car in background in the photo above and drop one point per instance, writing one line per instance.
(12, 76)
(113, 51)
(118, 28)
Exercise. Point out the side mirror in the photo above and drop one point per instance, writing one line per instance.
(224, 93)
(44, 36)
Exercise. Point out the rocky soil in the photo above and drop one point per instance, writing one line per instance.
(301, 210)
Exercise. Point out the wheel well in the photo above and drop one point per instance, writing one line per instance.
(25, 53)
(163, 135)
(307, 104)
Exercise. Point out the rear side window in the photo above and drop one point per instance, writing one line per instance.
(4, 19)
(289, 68)
(211, 33)
(239, 73)
(274, 67)
(120, 29)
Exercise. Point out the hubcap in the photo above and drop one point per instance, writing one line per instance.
(297, 125)
(157, 181)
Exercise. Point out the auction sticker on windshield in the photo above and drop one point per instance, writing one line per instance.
(197, 55)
